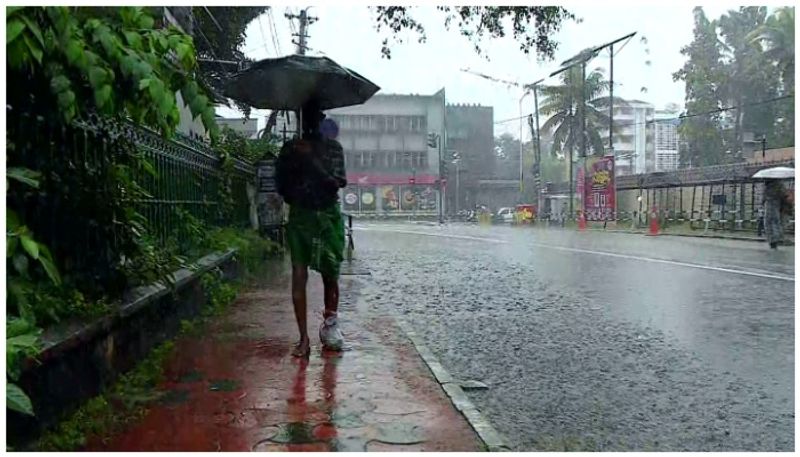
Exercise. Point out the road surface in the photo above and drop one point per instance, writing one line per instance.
(601, 341)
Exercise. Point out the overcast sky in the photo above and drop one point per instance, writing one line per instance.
(347, 35)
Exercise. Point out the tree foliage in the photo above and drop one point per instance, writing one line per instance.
(704, 76)
(776, 35)
(562, 108)
(749, 77)
(113, 61)
(741, 61)
(219, 33)
(532, 26)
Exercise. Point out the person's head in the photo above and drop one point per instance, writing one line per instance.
(312, 117)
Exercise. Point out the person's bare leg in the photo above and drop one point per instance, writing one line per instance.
(299, 280)
(331, 296)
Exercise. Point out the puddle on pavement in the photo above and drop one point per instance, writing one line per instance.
(223, 385)
(174, 397)
(190, 377)
(295, 433)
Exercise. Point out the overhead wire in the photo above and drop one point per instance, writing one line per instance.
(706, 113)
(263, 35)
(273, 31)
(680, 117)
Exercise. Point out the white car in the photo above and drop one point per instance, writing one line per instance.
(505, 215)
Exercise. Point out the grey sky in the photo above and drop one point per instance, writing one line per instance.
(346, 34)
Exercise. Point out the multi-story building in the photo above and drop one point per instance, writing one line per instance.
(634, 146)
(470, 130)
(391, 169)
(666, 140)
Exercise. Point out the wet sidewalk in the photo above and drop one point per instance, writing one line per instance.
(235, 386)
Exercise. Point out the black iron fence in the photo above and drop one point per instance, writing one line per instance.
(715, 174)
(101, 177)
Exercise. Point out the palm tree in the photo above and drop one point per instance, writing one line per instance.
(562, 105)
(778, 36)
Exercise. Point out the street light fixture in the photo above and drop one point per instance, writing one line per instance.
(581, 59)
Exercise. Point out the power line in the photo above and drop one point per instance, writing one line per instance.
(263, 35)
(273, 30)
(707, 113)
(683, 116)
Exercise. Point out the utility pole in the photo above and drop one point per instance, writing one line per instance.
(304, 20)
(581, 59)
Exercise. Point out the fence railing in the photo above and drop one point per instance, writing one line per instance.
(730, 173)
(77, 212)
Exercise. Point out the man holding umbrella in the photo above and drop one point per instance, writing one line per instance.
(309, 173)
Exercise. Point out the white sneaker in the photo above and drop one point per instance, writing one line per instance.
(330, 334)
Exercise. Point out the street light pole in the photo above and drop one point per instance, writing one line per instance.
(583, 136)
(458, 188)
(525, 94)
(441, 184)
(581, 59)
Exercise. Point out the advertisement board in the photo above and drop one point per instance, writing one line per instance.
(599, 189)
(269, 203)
(409, 199)
(350, 199)
(368, 199)
(390, 198)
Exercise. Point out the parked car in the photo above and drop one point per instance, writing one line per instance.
(504, 215)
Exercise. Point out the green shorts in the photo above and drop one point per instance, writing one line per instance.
(316, 239)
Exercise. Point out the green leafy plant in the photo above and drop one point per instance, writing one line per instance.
(24, 254)
(22, 341)
(105, 414)
(113, 61)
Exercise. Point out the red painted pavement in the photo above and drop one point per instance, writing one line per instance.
(235, 387)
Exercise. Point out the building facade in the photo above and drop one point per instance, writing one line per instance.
(391, 170)
(634, 137)
(667, 149)
(470, 130)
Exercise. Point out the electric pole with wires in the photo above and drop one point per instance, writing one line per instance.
(304, 20)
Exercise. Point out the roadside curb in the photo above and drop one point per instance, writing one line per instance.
(493, 441)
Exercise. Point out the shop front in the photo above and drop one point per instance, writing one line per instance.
(388, 195)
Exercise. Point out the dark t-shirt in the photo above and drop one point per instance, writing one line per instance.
(310, 172)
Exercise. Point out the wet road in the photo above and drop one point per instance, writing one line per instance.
(601, 341)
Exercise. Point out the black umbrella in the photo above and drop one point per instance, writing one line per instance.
(286, 83)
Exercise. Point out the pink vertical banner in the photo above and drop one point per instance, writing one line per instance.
(599, 189)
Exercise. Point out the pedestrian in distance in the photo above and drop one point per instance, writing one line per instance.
(776, 207)
(309, 173)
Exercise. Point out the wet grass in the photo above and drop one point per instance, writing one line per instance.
(127, 400)
(103, 415)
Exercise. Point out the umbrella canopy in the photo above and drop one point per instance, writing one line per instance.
(775, 173)
(286, 83)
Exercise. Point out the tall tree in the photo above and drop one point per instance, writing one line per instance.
(532, 26)
(703, 72)
(506, 152)
(776, 36)
(562, 107)
(749, 78)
